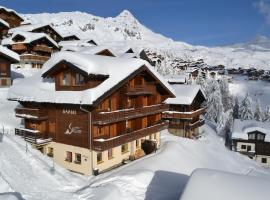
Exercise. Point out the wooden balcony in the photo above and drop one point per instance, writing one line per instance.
(141, 90)
(183, 115)
(32, 136)
(120, 115)
(31, 113)
(105, 144)
(43, 48)
(19, 47)
(187, 125)
(33, 58)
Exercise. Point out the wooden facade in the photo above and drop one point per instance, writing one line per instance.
(49, 31)
(186, 118)
(35, 53)
(70, 38)
(118, 117)
(5, 70)
(12, 18)
(3, 30)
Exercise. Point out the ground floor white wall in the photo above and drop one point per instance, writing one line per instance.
(89, 157)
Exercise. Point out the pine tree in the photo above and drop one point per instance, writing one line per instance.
(225, 122)
(266, 116)
(227, 99)
(258, 112)
(236, 108)
(245, 109)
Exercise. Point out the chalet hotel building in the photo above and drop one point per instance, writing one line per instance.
(92, 111)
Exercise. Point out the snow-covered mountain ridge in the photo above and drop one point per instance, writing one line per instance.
(126, 29)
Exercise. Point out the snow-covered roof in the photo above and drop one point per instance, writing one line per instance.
(209, 184)
(31, 27)
(242, 128)
(185, 94)
(78, 43)
(3, 22)
(10, 54)
(181, 78)
(11, 11)
(29, 37)
(38, 89)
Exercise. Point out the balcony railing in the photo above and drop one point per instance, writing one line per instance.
(43, 48)
(120, 115)
(187, 125)
(105, 144)
(19, 47)
(33, 58)
(32, 136)
(183, 115)
(31, 113)
(141, 89)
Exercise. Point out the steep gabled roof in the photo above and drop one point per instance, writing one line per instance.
(10, 55)
(29, 38)
(11, 11)
(185, 94)
(118, 70)
(33, 27)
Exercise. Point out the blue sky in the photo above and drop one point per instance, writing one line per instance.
(199, 22)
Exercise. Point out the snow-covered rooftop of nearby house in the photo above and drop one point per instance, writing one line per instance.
(30, 27)
(181, 78)
(10, 10)
(11, 54)
(4, 23)
(209, 184)
(29, 37)
(242, 128)
(185, 94)
(77, 43)
(37, 89)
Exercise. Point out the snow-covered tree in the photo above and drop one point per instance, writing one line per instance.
(225, 122)
(236, 108)
(200, 79)
(227, 99)
(245, 109)
(258, 112)
(266, 115)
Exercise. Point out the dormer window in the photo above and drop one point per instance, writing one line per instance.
(66, 81)
(79, 79)
(260, 136)
(251, 136)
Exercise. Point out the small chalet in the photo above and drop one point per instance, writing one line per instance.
(252, 138)
(77, 43)
(10, 16)
(70, 38)
(34, 48)
(185, 111)
(7, 57)
(92, 112)
(91, 50)
(176, 79)
(39, 28)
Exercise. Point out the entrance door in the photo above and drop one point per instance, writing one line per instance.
(52, 129)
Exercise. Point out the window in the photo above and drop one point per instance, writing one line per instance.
(264, 160)
(79, 79)
(99, 131)
(124, 148)
(110, 104)
(137, 144)
(66, 79)
(69, 156)
(110, 153)
(78, 158)
(260, 137)
(251, 136)
(243, 146)
(99, 157)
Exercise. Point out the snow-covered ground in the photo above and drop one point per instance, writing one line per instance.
(30, 175)
(258, 90)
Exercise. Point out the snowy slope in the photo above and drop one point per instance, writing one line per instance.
(126, 29)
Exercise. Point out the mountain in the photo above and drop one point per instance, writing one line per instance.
(126, 29)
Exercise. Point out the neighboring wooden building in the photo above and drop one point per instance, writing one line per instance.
(7, 57)
(10, 16)
(4, 26)
(39, 28)
(34, 48)
(98, 112)
(70, 38)
(186, 110)
(252, 138)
